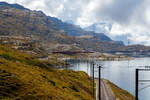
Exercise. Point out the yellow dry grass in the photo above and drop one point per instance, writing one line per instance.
(22, 77)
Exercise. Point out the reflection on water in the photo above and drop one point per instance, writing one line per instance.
(122, 73)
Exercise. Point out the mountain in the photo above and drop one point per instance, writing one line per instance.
(75, 30)
(70, 29)
(69, 21)
(52, 33)
(24, 22)
(124, 38)
(16, 21)
(5, 5)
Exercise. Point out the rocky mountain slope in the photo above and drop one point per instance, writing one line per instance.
(75, 30)
(52, 33)
(17, 20)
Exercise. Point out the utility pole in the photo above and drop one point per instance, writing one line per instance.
(93, 82)
(138, 81)
(128, 58)
(99, 82)
(137, 84)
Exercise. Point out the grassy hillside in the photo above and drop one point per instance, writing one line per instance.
(22, 77)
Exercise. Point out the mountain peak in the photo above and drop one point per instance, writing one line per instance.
(3, 3)
(69, 21)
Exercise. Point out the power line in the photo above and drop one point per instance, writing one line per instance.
(138, 81)
(144, 88)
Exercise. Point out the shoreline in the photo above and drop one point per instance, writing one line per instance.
(99, 59)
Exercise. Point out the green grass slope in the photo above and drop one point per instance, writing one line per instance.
(22, 77)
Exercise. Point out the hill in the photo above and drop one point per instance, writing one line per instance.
(23, 77)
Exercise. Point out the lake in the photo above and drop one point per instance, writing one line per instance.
(122, 73)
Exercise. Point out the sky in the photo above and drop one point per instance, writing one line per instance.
(128, 17)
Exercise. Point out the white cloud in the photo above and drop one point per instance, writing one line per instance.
(117, 29)
(86, 18)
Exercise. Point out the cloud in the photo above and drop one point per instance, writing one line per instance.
(129, 17)
(120, 11)
(136, 34)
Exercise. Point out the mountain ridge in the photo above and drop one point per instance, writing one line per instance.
(50, 30)
(75, 30)
(15, 21)
(12, 5)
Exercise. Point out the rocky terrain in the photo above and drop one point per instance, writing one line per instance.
(54, 35)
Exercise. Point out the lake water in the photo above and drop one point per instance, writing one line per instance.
(122, 73)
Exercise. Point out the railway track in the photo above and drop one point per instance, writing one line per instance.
(106, 92)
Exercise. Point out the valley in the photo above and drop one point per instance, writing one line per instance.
(45, 58)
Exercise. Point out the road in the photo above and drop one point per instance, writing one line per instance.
(106, 92)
